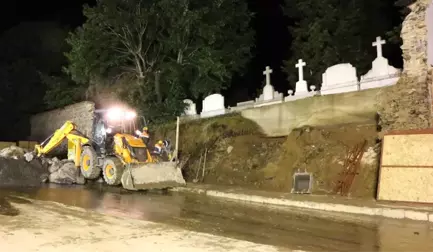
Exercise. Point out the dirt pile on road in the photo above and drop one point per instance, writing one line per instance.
(239, 154)
(16, 171)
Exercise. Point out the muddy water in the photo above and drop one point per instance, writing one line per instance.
(289, 228)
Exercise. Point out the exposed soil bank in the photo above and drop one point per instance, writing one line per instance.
(238, 153)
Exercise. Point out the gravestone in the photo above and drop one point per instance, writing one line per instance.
(301, 84)
(190, 109)
(429, 20)
(213, 105)
(340, 78)
(269, 96)
(381, 73)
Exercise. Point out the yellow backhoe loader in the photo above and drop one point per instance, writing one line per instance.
(114, 151)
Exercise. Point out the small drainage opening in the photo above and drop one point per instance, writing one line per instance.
(302, 182)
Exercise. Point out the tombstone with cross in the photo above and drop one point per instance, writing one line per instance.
(269, 95)
(268, 89)
(381, 74)
(301, 84)
(378, 44)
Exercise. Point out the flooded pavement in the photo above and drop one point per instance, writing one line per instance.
(282, 227)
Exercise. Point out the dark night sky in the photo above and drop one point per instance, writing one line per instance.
(66, 12)
(272, 39)
(272, 42)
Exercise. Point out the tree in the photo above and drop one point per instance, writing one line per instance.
(161, 51)
(328, 32)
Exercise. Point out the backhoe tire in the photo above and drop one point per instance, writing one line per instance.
(112, 171)
(89, 163)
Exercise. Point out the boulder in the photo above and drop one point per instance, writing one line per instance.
(65, 172)
(29, 156)
(54, 164)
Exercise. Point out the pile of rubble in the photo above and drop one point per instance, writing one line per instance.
(21, 168)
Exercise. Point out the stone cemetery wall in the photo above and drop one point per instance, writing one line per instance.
(408, 104)
(44, 124)
(406, 173)
(281, 119)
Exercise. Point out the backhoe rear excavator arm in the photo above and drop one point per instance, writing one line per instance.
(68, 131)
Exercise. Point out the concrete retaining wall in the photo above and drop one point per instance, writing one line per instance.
(281, 119)
(44, 124)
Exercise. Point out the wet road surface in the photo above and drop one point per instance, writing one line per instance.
(290, 228)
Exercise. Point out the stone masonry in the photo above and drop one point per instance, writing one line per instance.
(408, 105)
(44, 124)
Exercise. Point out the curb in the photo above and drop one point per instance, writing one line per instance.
(393, 213)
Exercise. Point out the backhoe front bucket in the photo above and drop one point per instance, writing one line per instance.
(152, 176)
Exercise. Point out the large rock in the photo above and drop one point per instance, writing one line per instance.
(64, 172)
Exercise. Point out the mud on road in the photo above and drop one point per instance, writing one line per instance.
(72, 218)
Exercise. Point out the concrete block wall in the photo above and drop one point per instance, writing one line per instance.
(44, 124)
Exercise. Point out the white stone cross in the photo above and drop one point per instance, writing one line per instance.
(300, 67)
(268, 72)
(379, 42)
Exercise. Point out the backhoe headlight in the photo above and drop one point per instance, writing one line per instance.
(115, 114)
(130, 115)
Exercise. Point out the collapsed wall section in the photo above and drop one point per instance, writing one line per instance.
(408, 104)
(44, 124)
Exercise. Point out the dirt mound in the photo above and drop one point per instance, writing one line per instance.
(238, 154)
(18, 172)
(12, 152)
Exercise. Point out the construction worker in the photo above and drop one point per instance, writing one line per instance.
(158, 147)
(144, 134)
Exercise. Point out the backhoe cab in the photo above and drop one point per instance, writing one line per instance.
(117, 152)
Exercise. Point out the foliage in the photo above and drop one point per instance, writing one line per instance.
(162, 50)
(328, 32)
(61, 91)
